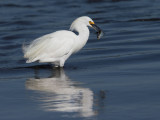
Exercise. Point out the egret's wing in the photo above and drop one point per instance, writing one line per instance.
(52, 45)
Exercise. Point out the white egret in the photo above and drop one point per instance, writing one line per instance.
(57, 47)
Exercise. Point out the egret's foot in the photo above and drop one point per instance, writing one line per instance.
(56, 66)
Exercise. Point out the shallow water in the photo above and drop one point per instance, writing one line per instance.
(116, 77)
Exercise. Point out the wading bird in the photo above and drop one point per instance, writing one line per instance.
(58, 46)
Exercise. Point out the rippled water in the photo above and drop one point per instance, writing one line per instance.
(116, 77)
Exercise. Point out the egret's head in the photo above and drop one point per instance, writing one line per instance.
(98, 30)
(86, 21)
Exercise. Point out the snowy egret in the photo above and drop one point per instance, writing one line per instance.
(57, 47)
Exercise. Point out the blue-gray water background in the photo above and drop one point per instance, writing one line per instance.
(115, 78)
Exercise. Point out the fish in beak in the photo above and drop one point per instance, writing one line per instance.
(98, 30)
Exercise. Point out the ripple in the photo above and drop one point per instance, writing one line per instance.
(96, 12)
(2, 54)
(143, 20)
(122, 59)
(23, 22)
(94, 1)
(9, 47)
(11, 5)
(12, 37)
(3, 22)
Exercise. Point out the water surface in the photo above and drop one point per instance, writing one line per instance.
(116, 77)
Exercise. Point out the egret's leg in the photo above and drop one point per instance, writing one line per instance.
(62, 61)
(64, 58)
(57, 64)
(67, 56)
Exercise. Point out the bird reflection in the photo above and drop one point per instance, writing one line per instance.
(60, 93)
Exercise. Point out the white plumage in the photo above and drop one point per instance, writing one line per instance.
(58, 46)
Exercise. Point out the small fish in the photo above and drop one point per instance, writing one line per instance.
(99, 34)
(99, 31)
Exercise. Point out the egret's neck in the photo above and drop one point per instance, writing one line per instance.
(82, 29)
(83, 34)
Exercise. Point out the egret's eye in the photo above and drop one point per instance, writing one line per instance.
(91, 23)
